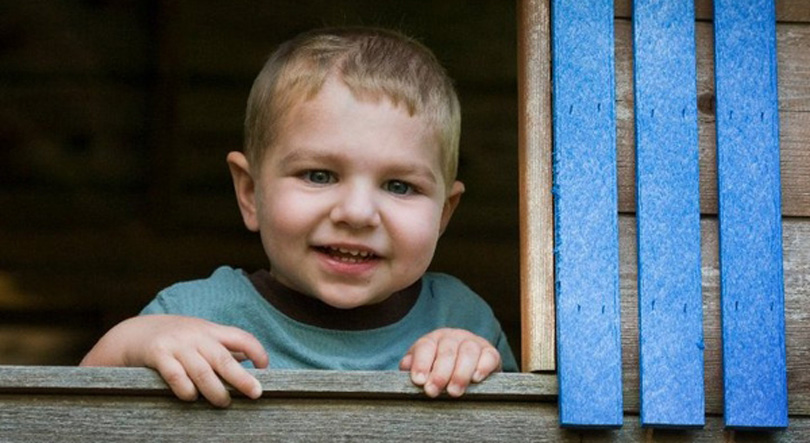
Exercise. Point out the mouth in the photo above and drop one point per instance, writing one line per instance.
(348, 255)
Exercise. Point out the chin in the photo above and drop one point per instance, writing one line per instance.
(343, 305)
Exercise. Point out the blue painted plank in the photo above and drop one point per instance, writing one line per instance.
(670, 302)
(585, 216)
(752, 289)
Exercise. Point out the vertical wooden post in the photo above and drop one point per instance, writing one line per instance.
(751, 285)
(536, 213)
(670, 304)
(586, 215)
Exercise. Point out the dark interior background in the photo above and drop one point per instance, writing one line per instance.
(115, 119)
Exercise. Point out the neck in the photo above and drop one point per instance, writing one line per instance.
(314, 312)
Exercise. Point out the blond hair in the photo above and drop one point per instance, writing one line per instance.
(372, 63)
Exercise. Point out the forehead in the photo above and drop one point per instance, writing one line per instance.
(357, 124)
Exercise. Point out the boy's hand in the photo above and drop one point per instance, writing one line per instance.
(450, 359)
(190, 354)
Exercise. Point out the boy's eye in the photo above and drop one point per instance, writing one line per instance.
(399, 187)
(319, 177)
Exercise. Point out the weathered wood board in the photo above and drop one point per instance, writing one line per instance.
(796, 241)
(585, 220)
(668, 214)
(751, 282)
(794, 103)
(131, 404)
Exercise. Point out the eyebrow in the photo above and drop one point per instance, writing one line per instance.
(303, 154)
(407, 169)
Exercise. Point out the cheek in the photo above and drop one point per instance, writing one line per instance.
(416, 233)
(284, 217)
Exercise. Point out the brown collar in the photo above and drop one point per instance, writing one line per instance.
(314, 312)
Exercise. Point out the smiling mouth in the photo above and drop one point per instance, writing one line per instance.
(347, 255)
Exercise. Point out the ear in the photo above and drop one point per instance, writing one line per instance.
(245, 187)
(450, 204)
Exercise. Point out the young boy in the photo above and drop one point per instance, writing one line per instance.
(348, 175)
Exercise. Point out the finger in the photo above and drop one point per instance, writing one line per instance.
(469, 353)
(443, 366)
(232, 372)
(243, 342)
(489, 362)
(406, 362)
(175, 376)
(202, 375)
(424, 353)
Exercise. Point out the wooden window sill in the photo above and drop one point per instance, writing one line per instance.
(275, 383)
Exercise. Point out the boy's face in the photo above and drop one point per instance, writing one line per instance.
(350, 200)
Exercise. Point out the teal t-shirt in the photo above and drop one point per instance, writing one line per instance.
(228, 297)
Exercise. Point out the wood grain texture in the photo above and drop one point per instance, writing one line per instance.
(43, 416)
(786, 10)
(102, 418)
(275, 383)
(535, 177)
(796, 243)
(793, 71)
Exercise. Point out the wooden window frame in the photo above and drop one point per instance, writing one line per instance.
(535, 178)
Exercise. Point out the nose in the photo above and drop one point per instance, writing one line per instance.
(356, 206)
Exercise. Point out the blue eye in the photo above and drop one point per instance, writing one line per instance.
(399, 187)
(319, 177)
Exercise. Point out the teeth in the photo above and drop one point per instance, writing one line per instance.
(352, 253)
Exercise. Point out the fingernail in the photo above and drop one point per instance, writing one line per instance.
(477, 377)
(256, 392)
(431, 390)
(419, 378)
(455, 391)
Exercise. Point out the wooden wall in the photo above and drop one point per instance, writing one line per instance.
(115, 120)
(793, 41)
(793, 56)
(124, 404)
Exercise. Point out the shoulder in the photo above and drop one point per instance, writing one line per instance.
(224, 278)
(183, 297)
(451, 299)
(449, 289)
